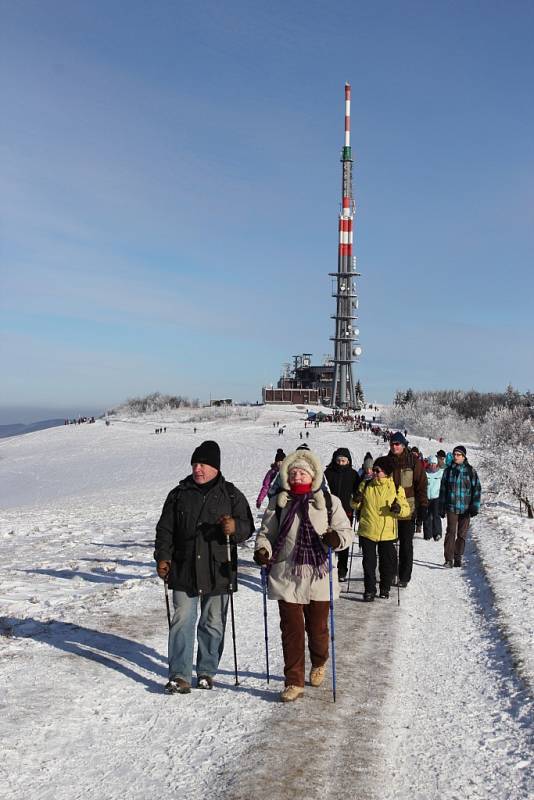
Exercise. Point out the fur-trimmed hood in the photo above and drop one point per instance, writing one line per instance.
(301, 455)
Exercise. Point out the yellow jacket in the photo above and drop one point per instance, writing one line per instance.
(373, 500)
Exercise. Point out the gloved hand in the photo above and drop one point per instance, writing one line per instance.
(227, 524)
(331, 538)
(442, 514)
(395, 507)
(261, 557)
(163, 569)
(473, 511)
(258, 504)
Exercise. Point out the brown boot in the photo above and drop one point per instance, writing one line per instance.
(317, 675)
(291, 693)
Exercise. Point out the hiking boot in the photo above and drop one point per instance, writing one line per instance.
(342, 577)
(291, 693)
(447, 564)
(204, 682)
(177, 686)
(368, 597)
(457, 562)
(437, 538)
(317, 675)
(418, 528)
(384, 594)
(403, 584)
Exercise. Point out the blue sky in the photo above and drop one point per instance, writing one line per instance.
(171, 183)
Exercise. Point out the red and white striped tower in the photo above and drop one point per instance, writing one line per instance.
(345, 285)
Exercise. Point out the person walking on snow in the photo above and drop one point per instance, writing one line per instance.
(270, 476)
(343, 482)
(432, 519)
(301, 522)
(459, 499)
(380, 504)
(191, 555)
(408, 472)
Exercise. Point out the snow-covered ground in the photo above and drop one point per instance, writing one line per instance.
(433, 695)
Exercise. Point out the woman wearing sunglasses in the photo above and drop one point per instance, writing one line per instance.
(380, 505)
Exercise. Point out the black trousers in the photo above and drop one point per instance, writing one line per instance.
(342, 562)
(387, 564)
(406, 529)
(432, 520)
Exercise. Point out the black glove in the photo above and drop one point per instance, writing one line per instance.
(395, 507)
(261, 557)
(442, 514)
(331, 538)
(473, 511)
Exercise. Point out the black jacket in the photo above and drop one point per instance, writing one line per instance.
(343, 483)
(188, 536)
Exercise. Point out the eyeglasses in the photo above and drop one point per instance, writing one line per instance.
(397, 444)
(458, 454)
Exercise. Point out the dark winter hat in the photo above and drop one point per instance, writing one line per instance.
(441, 454)
(343, 451)
(303, 447)
(398, 437)
(460, 449)
(385, 464)
(280, 455)
(207, 453)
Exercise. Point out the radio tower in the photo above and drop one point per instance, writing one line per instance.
(345, 285)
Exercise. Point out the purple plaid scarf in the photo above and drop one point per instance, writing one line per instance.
(309, 556)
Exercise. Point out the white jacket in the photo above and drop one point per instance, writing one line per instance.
(282, 584)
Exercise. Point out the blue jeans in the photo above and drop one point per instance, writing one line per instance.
(210, 634)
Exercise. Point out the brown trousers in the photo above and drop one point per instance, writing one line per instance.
(455, 538)
(296, 618)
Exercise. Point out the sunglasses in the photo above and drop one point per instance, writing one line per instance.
(377, 470)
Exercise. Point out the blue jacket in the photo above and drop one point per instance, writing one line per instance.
(434, 483)
(460, 490)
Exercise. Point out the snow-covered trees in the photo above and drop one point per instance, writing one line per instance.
(508, 437)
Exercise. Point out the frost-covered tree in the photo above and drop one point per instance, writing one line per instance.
(507, 427)
(511, 471)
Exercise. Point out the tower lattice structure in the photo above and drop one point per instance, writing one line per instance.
(346, 347)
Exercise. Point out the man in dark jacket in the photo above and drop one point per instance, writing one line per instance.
(191, 554)
(409, 473)
(343, 482)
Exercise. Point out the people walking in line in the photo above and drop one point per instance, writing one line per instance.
(408, 472)
(431, 518)
(459, 499)
(270, 476)
(380, 505)
(300, 524)
(343, 483)
(191, 553)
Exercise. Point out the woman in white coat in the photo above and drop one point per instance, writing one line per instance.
(299, 525)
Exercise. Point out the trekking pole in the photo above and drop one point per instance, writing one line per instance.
(167, 602)
(347, 590)
(231, 591)
(398, 579)
(332, 629)
(264, 587)
(351, 552)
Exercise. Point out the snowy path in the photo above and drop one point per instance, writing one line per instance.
(429, 704)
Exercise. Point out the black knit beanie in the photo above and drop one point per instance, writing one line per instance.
(280, 455)
(207, 453)
(460, 449)
(385, 464)
(343, 451)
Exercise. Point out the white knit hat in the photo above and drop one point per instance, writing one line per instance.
(302, 463)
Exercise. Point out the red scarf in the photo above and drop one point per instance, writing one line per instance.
(300, 488)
